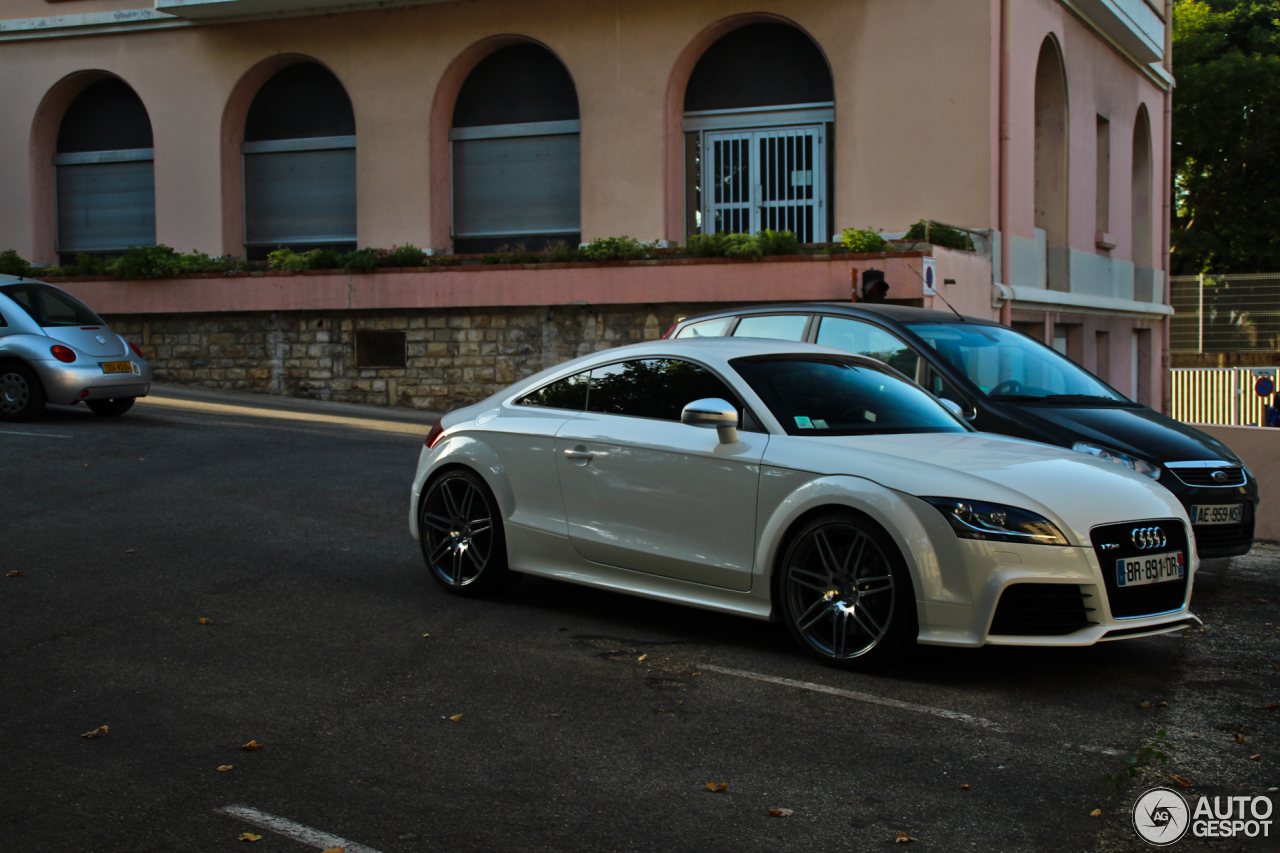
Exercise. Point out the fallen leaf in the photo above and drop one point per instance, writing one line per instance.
(1275, 666)
(251, 746)
(334, 850)
(1144, 704)
(1263, 601)
(717, 787)
(1182, 783)
(1204, 630)
(248, 836)
(1096, 813)
(130, 551)
(1164, 704)
(455, 718)
(1241, 739)
(780, 812)
(426, 635)
(224, 768)
(100, 731)
(903, 838)
(16, 574)
(1255, 757)
(642, 657)
(204, 621)
(1271, 706)
(964, 787)
(1195, 734)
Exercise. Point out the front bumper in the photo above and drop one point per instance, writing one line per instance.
(65, 384)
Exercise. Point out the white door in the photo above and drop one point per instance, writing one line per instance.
(760, 179)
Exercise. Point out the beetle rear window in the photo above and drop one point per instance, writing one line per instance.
(49, 306)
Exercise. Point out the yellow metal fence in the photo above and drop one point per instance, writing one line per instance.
(1224, 396)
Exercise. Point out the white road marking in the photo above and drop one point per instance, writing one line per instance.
(859, 697)
(198, 407)
(296, 831)
(41, 434)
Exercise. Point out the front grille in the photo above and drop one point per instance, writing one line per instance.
(1150, 598)
(1222, 537)
(1041, 609)
(1234, 476)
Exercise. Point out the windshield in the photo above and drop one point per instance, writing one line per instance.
(811, 396)
(49, 306)
(1008, 365)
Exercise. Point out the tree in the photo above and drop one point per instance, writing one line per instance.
(1226, 136)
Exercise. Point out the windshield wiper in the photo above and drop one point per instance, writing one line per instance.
(1088, 398)
(1014, 397)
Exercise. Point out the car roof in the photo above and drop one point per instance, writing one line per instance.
(894, 313)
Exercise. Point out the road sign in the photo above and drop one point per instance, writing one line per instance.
(1265, 387)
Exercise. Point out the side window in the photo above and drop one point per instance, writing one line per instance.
(653, 388)
(567, 393)
(706, 329)
(942, 389)
(782, 327)
(865, 339)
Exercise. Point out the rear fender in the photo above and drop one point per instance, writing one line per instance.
(464, 451)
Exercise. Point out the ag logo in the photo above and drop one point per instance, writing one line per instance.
(1161, 817)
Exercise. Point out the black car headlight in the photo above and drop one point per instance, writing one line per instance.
(996, 522)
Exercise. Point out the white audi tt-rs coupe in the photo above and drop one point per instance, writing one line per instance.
(780, 480)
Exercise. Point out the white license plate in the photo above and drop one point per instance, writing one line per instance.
(1221, 514)
(1150, 568)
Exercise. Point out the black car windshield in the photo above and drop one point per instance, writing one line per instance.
(49, 306)
(823, 396)
(1008, 365)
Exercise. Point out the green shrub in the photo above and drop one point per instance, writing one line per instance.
(324, 259)
(137, 262)
(360, 260)
(557, 252)
(859, 240)
(12, 264)
(705, 245)
(778, 242)
(287, 260)
(615, 249)
(741, 246)
(516, 254)
(940, 235)
(407, 255)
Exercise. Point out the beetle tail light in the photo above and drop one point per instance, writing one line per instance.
(66, 355)
(135, 349)
(437, 432)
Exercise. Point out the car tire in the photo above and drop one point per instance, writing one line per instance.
(462, 537)
(22, 397)
(845, 594)
(113, 408)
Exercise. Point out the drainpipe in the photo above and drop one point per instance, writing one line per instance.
(1006, 307)
(1166, 391)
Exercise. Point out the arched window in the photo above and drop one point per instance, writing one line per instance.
(106, 192)
(300, 163)
(1141, 215)
(515, 152)
(1051, 159)
(758, 111)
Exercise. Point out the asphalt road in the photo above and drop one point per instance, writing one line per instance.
(587, 721)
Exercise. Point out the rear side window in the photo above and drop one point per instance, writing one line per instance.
(873, 342)
(781, 327)
(705, 329)
(657, 388)
(49, 306)
(567, 393)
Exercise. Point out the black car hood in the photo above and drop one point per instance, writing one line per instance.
(1140, 432)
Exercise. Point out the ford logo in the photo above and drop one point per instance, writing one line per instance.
(1219, 476)
(1148, 537)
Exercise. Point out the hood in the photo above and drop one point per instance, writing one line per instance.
(85, 340)
(1140, 432)
(1075, 491)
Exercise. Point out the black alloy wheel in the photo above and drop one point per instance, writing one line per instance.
(460, 530)
(845, 593)
(113, 408)
(22, 396)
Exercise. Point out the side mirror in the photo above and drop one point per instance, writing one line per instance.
(713, 413)
(954, 408)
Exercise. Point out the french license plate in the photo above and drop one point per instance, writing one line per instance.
(1152, 568)
(117, 367)
(1224, 514)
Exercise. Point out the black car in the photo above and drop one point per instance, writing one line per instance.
(1005, 382)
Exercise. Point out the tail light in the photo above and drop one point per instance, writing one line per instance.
(437, 432)
(667, 334)
(135, 349)
(66, 355)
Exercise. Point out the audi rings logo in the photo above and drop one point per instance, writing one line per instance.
(1148, 537)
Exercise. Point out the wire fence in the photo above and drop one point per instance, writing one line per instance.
(1225, 313)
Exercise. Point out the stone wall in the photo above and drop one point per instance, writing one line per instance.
(454, 357)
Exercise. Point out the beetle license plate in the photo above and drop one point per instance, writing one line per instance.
(1152, 568)
(117, 367)
(1224, 514)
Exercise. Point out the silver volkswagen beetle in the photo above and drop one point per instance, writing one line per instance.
(53, 349)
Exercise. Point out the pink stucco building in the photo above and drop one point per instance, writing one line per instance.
(234, 126)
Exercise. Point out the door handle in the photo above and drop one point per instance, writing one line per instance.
(579, 455)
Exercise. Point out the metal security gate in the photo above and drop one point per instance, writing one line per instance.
(760, 179)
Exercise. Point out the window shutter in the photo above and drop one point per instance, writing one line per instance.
(295, 197)
(516, 185)
(105, 206)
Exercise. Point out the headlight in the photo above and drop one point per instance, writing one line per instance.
(995, 522)
(1142, 466)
